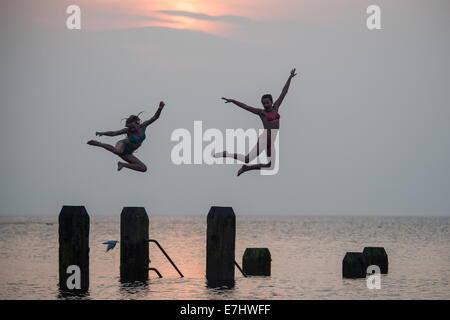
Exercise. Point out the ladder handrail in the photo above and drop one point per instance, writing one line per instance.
(157, 272)
(242, 271)
(167, 256)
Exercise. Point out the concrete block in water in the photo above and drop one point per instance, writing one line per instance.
(256, 262)
(376, 256)
(354, 265)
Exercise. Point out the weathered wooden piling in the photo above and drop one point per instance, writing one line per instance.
(354, 265)
(73, 233)
(376, 256)
(256, 262)
(220, 246)
(134, 237)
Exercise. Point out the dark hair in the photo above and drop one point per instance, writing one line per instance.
(268, 96)
(132, 119)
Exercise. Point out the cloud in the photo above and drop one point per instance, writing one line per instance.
(140, 17)
(201, 16)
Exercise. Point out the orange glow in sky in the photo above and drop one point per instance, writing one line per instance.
(141, 13)
(208, 15)
(224, 18)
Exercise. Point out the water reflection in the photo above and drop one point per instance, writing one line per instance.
(220, 290)
(221, 285)
(73, 295)
(133, 288)
(307, 255)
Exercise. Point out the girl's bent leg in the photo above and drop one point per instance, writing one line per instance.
(271, 156)
(258, 166)
(133, 163)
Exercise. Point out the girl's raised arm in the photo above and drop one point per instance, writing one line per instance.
(277, 103)
(156, 116)
(112, 133)
(243, 106)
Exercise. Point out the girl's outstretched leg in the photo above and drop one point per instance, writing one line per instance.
(133, 163)
(118, 149)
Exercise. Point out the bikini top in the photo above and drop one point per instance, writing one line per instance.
(270, 116)
(135, 139)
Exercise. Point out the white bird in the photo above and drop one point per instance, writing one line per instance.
(110, 244)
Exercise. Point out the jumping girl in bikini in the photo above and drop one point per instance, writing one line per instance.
(271, 122)
(135, 131)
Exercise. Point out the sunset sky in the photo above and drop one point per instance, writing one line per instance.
(364, 127)
(216, 17)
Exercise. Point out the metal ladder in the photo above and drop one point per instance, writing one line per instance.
(174, 265)
(242, 271)
(168, 258)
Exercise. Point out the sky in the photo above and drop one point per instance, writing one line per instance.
(364, 127)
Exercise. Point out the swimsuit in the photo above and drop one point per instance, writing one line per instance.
(135, 140)
(127, 149)
(270, 116)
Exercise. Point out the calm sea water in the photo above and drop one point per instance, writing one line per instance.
(306, 253)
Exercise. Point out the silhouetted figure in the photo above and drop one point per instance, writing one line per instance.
(135, 131)
(271, 120)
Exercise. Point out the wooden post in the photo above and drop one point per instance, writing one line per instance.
(220, 246)
(73, 232)
(256, 261)
(376, 256)
(134, 244)
(354, 265)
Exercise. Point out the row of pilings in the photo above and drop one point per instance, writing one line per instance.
(74, 225)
